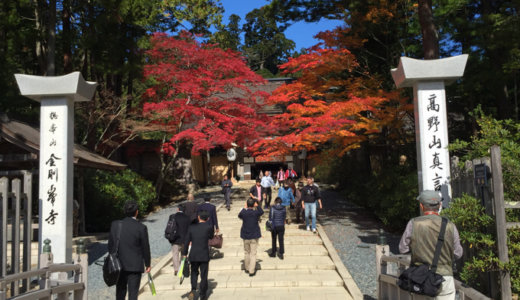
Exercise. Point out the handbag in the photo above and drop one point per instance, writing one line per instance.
(216, 241)
(269, 223)
(422, 279)
(112, 265)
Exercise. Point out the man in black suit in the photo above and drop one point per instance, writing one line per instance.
(212, 210)
(198, 235)
(133, 252)
(182, 222)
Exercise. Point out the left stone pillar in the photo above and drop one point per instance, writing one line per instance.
(56, 96)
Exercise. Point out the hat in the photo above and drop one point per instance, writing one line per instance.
(430, 198)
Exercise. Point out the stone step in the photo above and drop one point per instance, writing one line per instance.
(281, 293)
(288, 240)
(262, 252)
(232, 232)
(272, 278)
(271, 263)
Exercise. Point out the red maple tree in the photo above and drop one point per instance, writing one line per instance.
(333, 102)
(200, 95)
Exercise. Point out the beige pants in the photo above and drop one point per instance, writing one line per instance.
(176, 256)
(447, 291)
(250, 255)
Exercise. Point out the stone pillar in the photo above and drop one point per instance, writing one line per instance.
(57, 96)
(428, 78)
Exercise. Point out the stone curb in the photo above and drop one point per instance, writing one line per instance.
(350, 285)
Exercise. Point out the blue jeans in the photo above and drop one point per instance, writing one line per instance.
(310, 209)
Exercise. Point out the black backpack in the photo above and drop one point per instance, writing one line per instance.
(171, 229)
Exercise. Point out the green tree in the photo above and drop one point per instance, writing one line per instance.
(265, 44)
(489, 31)
(228, 36)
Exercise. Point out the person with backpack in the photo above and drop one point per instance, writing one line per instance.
(277, 215)
(286, 194)
(175, 233)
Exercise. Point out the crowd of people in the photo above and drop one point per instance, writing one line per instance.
(196, 225)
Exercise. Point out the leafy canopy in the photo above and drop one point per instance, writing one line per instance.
(333, 102)
(201, 94)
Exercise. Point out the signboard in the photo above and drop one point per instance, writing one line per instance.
(480, 172)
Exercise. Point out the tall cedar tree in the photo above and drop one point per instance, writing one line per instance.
(334, 103)
(201, 94)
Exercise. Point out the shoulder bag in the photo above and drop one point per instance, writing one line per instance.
(422, 279)
(112, 265)
(216, 241)
(269, 223)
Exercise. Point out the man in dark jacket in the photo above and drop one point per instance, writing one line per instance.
(182, 222)
(191, 208)
(226, 190)
(198, 235)
(133, 251)
(255, 192)
(277, 215)
(311, 200)
(212, 210)
(250, 233)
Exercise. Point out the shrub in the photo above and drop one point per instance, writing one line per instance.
(106, 192)
(480, 247)
(468, 213)
(390, 193)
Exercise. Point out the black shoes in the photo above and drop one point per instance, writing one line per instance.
(272, 254)
(252, 274)
(280, 255)
(191, 295)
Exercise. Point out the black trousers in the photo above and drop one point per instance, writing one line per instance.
(299, 212)
(268, 194)
(128, 281)
(197, 266)
(278, 231)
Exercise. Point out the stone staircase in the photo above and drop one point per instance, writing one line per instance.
(306, 272)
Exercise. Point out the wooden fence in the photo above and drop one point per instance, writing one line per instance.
(16, 226)
(390, 268)
(60, 281)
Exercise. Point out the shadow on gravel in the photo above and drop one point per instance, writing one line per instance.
(96, 251)
(337, 210)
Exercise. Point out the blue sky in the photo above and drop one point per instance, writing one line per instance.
(301, 33)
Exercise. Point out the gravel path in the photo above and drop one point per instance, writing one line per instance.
(354, 232)
(159, 246)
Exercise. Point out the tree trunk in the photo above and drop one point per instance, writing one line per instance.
(66, 41)
(40, 48)
(429, 32)
(51, 39)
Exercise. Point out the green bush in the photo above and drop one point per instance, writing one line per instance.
(504, 133)
(106, 192)
(476, 234)
(475, 227)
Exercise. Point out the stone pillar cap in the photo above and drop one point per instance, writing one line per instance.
(71, 86)
(412, 70)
